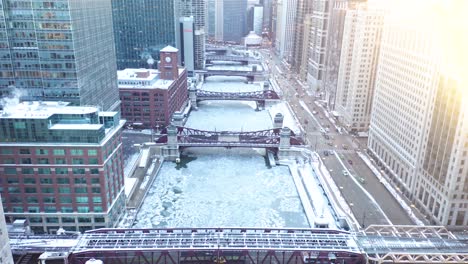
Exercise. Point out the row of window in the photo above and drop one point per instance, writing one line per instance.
(56, 152)
(52, 199)
(66, 190)
(53, 209)
(48, 171)
(76, 161)
(81, 180)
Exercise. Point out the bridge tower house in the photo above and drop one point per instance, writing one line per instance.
(193, 96)
(177, 119)
(284, 150)
(171, 150)
(278, 121)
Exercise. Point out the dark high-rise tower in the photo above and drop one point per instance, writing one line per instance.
(234, 20)
(142, 28)
(59, 50)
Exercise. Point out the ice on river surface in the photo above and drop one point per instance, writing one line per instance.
(222, 188)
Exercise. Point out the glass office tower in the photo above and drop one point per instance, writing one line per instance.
(141, 29)
(60, 50)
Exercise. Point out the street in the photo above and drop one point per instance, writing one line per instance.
(323, 137)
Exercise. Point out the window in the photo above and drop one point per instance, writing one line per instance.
(93, 161)
(82, 199)
(63, 181)
(32, 199)
(43, 160)
(92, 152)
(94, 180)
(78, 171)
(13, 180)
(42, 152)
(13, 190)
(94, 171)
(61, 171)
(27, 171)
(35, 219)
(46, 181)
(81, 190)
(10, 171)
(24, 151)
(26, 161)
(97, 200)
(43, 171)
(83, 209)
(76, 152)
(96, 190)
(60, 161)
(68, 219)
(18, 209)
(52, 220)
(30, 190)
(99, 219)
(6, 151)
(33, 209)
(59, 152)
(48, 199)
(29, 181)
(64, 190)
(84, 219)
(67, 209)
(47, 190)
(77, 161)
(50, 209)
(65, 199)
(98, 209)
(80, 180)
(9, 161)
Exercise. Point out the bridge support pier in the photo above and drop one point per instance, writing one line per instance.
(285, 151)
(171, 150)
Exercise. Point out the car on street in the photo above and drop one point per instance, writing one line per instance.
(350, 162)
(344, 146)
(314, 112)
(326, 136)
(345, 173)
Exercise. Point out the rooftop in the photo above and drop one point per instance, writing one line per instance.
(143, 79)
(43, 110)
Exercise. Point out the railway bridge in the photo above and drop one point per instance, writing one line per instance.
(375, 244)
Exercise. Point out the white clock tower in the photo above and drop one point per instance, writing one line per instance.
(168, 64)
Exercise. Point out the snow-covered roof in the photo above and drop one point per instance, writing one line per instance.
(143, 79)
(169, 48)
(43, 110)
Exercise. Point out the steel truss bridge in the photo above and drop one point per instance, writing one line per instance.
(248, 74)
(376, 244)
(242, 96)
(242, 59)
(189, 137)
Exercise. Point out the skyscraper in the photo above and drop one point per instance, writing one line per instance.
(185, 41)
(317, 44)
(418, 130)
(142, 28)
(358, 65)
(302, 29)
(234, 20)
(333, 50)
(60, 51)
(197, 9)
(286, 25)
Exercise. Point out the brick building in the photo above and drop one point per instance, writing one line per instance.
(150, 97)
(61, 166)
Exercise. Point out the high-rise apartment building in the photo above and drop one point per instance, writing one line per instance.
(197, 9)
(318, 42)
(255, 19)
(142, 29)
(302, 30)
(333, 50)
(358, 65)
(5, 251)
(418, 130)
(59, 51)
(61, 166)
(286, 26)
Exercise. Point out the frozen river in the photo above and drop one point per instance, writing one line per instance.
(222, 188)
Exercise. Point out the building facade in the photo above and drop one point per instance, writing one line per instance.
(150, 97)
(255, 19)
(5, 250)
(142, 29)
(358, 66)
(61, 166)
(333, 50)
(418, 131)
(302, 29)
(286, 29)
(317, 44)
(234, 20)
(197, 9)
(47, 52)
(186, 43)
